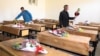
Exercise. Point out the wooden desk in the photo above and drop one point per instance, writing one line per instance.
(11, 22)
(7, 50)
(0, 26)
(15, 30)
(47, 24)
(88, 33)
(37, 27)
(74, 43)
(51, 21)
(94, 23)
(90, 28)
(7, 22)
(91, 24)
(50, 25)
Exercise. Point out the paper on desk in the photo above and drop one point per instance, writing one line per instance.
(32, 49)
(29, 48)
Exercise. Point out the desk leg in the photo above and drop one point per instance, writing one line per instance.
(95, 45)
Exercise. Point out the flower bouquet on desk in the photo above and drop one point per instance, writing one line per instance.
(86, 23)
(70, 28)
(15, 21)
(59, 32)
(77, 13)
(18, 25)
(75, 28)
(78, 29)
(30, 45)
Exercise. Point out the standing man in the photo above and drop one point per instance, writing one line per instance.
(64, 17)
(26, 16)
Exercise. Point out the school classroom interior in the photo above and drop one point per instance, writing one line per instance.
(44, 37)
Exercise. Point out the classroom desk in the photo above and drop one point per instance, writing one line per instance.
(88, 33)
(51, 21)
(47, 24)
(50, 25)
(15, 31)
(90, 28)
(93, 34)
(74, 43)
(36, 27)
(7, 50)
(91, 24)
(5, 22)
(1, 25)
(55, 21)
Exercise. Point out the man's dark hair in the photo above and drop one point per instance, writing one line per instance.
(65, 6)
(22, 8)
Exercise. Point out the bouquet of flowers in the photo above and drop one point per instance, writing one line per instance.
(59, 32)
(77, 12)
(78, 29)
(19, 25)
(29, 45)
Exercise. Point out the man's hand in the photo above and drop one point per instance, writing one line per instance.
(15, 21)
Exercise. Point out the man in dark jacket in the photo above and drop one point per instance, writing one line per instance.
(64, 17)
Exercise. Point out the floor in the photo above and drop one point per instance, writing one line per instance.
(98, 50)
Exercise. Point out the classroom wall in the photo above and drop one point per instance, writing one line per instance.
(89, 9)
(9, 9)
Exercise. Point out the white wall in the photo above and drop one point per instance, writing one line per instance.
(90, 9)
(9, 9)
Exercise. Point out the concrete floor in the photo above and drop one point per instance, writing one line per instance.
(98, 50)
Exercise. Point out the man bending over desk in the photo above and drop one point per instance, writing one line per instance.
(26, 16)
